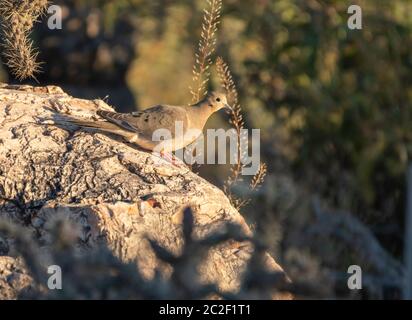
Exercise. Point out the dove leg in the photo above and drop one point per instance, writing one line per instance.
(172, 159)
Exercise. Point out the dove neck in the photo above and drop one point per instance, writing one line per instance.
(201, 113)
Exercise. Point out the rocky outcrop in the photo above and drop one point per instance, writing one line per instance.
(118, 194)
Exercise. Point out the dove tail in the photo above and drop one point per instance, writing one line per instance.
(95, 125)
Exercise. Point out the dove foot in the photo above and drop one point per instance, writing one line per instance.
(170, 157)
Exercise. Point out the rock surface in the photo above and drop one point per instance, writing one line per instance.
(13, 278)
(117, 193)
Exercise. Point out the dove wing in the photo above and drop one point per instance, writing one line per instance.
(145, 122)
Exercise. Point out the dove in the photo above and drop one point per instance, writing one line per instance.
(141, 127)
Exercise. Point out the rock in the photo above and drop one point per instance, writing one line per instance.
(13, 278)
(118, 194)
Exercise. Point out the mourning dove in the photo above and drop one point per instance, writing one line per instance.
(140, 127)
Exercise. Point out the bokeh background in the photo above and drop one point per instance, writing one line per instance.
(333, 106)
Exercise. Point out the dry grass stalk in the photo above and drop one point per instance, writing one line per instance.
(17, 19)
(259, 177)
(206, 47)
(236, 120)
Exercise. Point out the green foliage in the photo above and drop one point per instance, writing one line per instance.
(342, 96)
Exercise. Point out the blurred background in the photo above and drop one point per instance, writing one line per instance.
(333, 106)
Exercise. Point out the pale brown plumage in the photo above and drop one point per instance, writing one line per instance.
(139, 127)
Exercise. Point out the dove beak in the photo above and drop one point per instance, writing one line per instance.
(227, 107)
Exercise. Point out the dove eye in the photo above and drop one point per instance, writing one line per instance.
(218, 99)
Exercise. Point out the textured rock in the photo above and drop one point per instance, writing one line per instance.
(13, 278)
(117, 193)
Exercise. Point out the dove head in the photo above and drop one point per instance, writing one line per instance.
(216, 101)
(200, 112)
